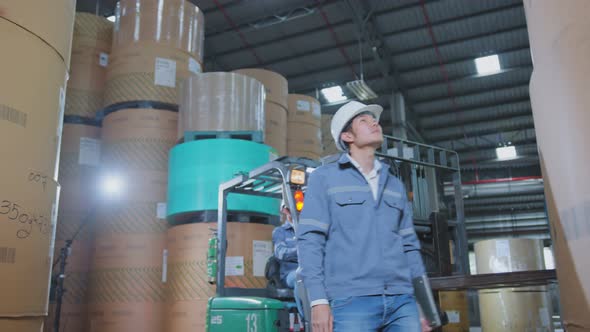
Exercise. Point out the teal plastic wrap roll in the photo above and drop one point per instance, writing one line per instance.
(197, 168)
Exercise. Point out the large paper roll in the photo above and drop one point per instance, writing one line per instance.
(221, 102)
(170, 23)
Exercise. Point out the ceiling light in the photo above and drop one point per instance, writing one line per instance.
(488, 64)
(361, 90)
(111, 18)
(333, 94)
(506, 152)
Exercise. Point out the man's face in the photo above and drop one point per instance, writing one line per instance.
(365, 131)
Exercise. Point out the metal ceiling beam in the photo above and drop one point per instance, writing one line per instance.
(414, 28)
(407, 72)
(504, 87)
(405, 52)
(369, 31)
(499, 111)
(489, 140)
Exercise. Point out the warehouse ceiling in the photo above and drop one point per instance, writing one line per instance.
(424, 49)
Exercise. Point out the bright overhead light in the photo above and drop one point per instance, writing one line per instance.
(111, 18)
(506, 152)
(333, 94)
(112, 185)
(488, 64)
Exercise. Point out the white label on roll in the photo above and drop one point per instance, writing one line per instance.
(161, 210)
(165, 265)
(262, 250)
(103, 59)
(234, 265)
(165, 72)
(544, 315)
(194, 66)
(317, 110)
(303, 105)
(454, 316)
(89, 151)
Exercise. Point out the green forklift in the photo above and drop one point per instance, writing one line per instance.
(267, 309)
(256, 309)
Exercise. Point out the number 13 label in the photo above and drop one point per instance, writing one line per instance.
(252, 321)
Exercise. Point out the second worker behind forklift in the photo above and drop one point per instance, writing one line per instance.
(358, 250)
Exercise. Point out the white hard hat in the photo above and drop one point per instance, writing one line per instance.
(346, 113)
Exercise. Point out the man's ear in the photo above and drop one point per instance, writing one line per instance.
(347, 136)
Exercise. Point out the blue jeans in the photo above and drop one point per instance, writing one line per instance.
(383, 313)
(291, 282)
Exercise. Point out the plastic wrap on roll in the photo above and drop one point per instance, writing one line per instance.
(198, 167)
(275, 84)
(221, 102)
(508, 255)
(173, 23)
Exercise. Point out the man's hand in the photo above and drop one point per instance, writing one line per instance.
(425, 326)
(321, 318)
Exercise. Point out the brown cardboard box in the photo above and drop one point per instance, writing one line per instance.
(304, 109)
(139, 139)
(275, 132)
(147, 71)
(25, 324)
(558, 34)
(221, 102)
(28, 211)
(52, 21)
(276, 85)
(171, 23)
(31, 108)
(455, 304)
(186, 297)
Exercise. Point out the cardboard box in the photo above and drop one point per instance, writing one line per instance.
(52, 21)
(221, 102)
(28, 212)
(455, 304)
(31, 108)
(26, 324)
(171, 23)
(275, 132)
(560, 101)
(275, 84)
(187, 288)
(147, 71)
(304, 109)
(139, 139)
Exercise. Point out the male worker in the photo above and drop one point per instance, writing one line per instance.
(285, 249)
(357, 247)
